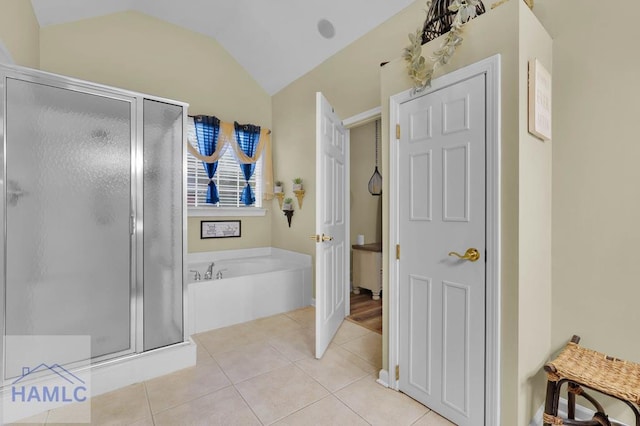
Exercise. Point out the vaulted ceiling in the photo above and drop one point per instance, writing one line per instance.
(276, 41)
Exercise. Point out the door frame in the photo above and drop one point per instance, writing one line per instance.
(490, 67)
(349, 123)
(357, 120)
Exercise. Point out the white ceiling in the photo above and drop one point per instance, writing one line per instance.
(276, 41)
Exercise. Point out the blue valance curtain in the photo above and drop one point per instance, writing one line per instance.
(247, 137)
(207, 133)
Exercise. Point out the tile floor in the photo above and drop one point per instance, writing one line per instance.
(263, 372)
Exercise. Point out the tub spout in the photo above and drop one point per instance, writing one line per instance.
(209, 274)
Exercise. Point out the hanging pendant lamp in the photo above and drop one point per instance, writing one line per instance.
(375, 183)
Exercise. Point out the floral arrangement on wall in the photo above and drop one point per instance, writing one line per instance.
(420, 70)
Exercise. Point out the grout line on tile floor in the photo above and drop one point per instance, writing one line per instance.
(331, 393)
(350, 409)
(146, 394)
(356, 354)
(247, 404)
(312, 402)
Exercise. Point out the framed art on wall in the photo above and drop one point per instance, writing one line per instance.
(539, 100)
(220, 229)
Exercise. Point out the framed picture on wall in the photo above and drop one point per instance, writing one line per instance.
(539, 100)
(220, 229)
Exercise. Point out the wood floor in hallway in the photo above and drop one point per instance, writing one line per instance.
(365, 311)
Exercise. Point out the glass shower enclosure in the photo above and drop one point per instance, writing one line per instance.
(92, 207)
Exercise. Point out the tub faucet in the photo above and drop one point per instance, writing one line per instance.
(197, 276)
(209, 274)
(219, 274)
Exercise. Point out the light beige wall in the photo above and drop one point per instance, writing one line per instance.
(366, 209)
(351, 81)
(20, 32)
(253, 229)
(499, 32)
(137, 52)
(534, 228)
(595, 173)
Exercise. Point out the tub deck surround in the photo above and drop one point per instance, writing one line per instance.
(255, 283)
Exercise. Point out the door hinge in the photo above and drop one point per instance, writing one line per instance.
(397, 372)
(398, 131)
(397, 251)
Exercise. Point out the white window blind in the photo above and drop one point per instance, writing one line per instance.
(229, 178)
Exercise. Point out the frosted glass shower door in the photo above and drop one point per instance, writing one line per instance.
(68, 210)
(163, 223)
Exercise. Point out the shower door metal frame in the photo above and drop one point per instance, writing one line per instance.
(136, 271)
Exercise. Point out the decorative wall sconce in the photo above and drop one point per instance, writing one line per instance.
(287, 208)
(280, 197)
(299, 195)
(289, 215)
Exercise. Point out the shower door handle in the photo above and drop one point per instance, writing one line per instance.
(132, 225)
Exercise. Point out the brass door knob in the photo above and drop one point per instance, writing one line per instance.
(319, 238)
(471, 254)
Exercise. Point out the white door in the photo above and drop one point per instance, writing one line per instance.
(442, 210)
(332, 283)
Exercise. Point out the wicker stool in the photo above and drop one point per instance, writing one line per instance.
(583, 368)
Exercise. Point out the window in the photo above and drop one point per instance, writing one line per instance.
(228, 178)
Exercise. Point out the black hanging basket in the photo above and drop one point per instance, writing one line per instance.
(439, 19)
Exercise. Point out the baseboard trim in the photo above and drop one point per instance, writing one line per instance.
(383, 378)
(581, 413)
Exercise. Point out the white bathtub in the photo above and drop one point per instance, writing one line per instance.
(255, 283)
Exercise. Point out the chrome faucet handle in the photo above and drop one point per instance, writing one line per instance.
(209, 274)
(219, 273)
(197, 275)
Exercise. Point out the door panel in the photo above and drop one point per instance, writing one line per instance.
(455, 187)
(420, 333)
(455, 346)
(420, 186)
(332, 283)
(339, 196)
(442, 210)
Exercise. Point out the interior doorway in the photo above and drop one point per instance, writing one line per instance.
(489, 70)
(366, 222)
